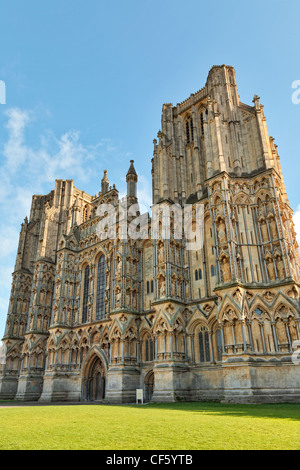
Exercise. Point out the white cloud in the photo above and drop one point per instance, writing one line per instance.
(29, 167)
(14, 150)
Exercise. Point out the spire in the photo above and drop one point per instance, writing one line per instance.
(104, 183)
(131, 179)
(131, 170)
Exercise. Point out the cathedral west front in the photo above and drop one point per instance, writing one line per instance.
(106, 300)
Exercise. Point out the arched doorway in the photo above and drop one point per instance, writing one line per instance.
(93, 383)
(149, 386)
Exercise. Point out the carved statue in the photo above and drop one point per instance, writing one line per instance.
(271, 270)
(225, 270)
(273, 228)
(160, 254)
(221, 231)
(280, 268)
(162, 288)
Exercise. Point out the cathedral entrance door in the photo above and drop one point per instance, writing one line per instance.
(149, 386)
(94, 382)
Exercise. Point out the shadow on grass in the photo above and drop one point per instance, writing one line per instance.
(277, 410)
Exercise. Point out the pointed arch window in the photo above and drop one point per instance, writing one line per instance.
(148, 349)
(189, 130)
(86, 288)
(204, 346)
(219, 344)
(101, 285)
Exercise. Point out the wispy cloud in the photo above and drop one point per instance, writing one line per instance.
(31, 165)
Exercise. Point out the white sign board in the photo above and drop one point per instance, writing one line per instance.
(139, 395)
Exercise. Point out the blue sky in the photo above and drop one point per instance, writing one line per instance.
(86, 80)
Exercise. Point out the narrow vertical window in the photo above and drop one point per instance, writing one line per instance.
(202, 120)
(204, 345)
(219, 345)
(152, 286)
(201, 348)
(187, 127)
(196, 275)
(86, 288)
(147, 350)
(212, 270)
(101, 282)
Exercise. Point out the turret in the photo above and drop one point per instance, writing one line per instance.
(131, 179)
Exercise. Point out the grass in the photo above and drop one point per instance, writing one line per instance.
(176, 426)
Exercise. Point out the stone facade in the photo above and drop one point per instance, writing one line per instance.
(95, 315)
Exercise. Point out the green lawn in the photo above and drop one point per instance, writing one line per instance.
(178, 426)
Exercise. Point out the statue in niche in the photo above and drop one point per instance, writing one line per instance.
(134, 300)
(238, 295)
(221, 231)
(271, 270)
(280, 268)
(174, 282)
(134, 268)
(160, 253)
(39, 322)
(269, 296)
(45, 323)
(128, 265)
(118, 266)
(128, 298)
(118, 298)
(293, 329)
(162, 289)
(280, 330)
(264, 231)
(226, 273)
(273, 228)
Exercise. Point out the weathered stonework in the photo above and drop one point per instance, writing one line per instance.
(95, 318)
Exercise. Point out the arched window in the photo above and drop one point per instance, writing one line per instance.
(201, 122)
(196, 275)
(189, 130)
(149, 349)
(219, 345)
(212, 270)
(86, 288)
(204, 347)
(200, 274)
(101, 284)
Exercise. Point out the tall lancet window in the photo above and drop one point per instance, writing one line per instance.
(189, 130)
(101, 283)
(86, 288)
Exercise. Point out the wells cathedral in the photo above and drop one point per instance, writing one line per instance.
(93, 317)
